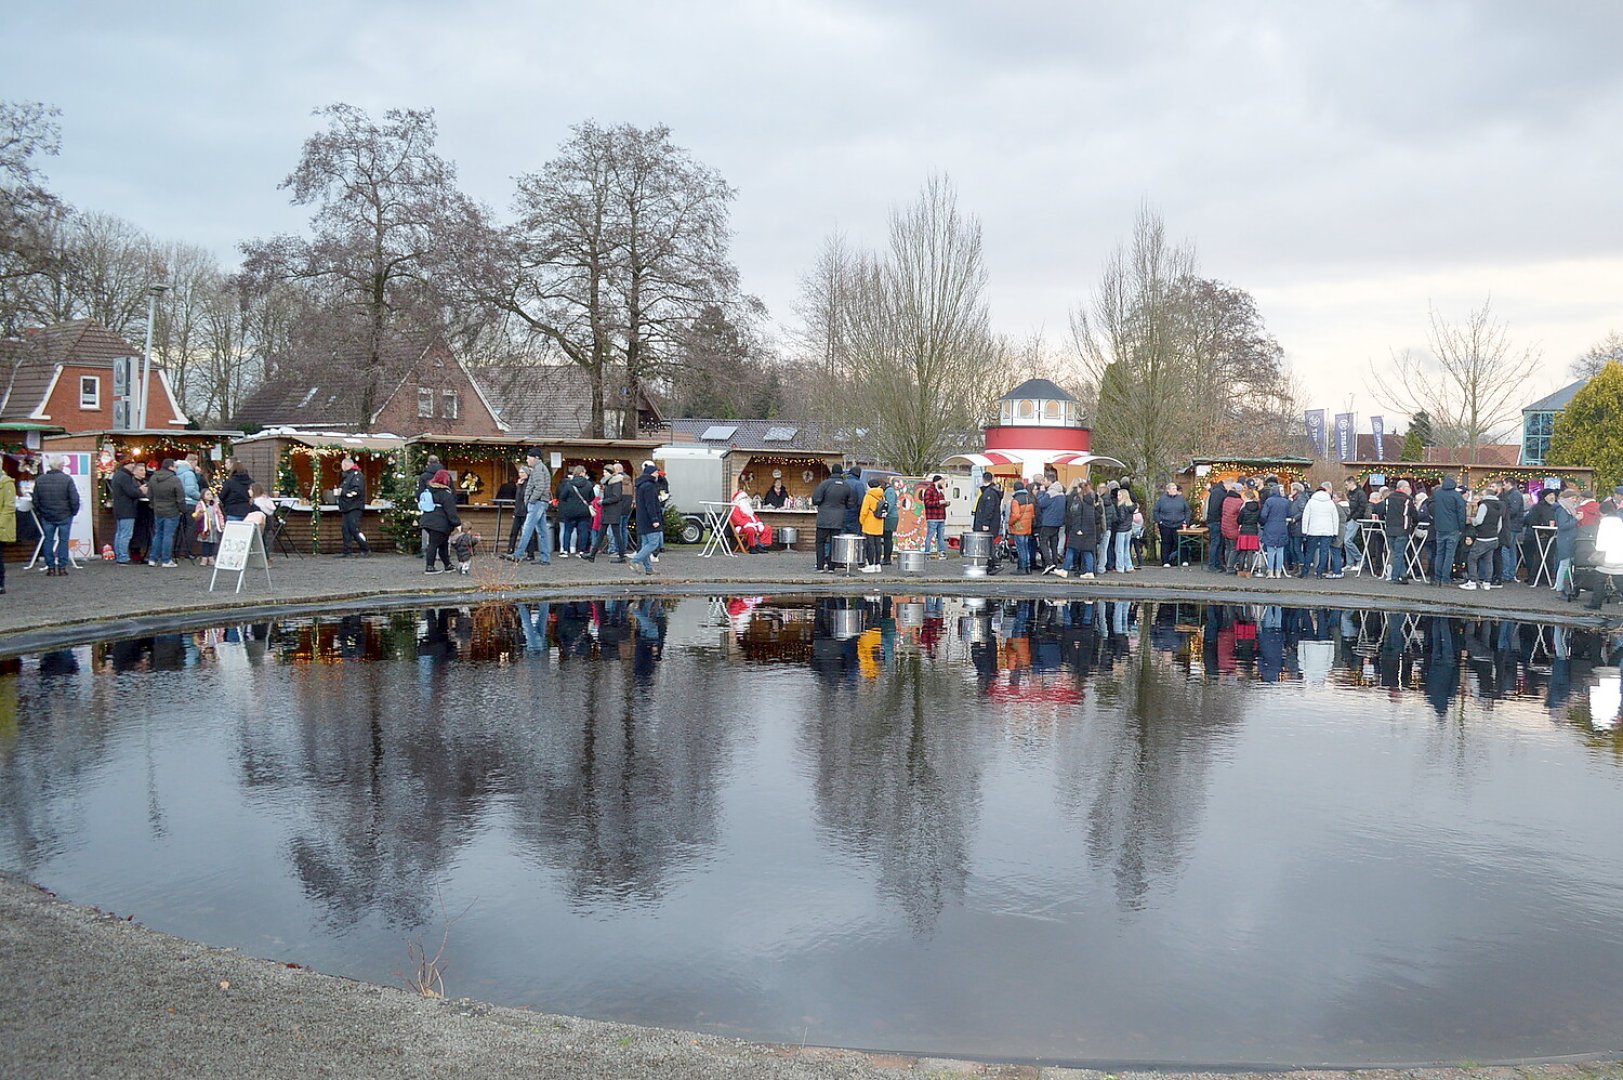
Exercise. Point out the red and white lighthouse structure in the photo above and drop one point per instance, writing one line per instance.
(1039, 425)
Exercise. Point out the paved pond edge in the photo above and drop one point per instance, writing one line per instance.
(62, 633)
(92, 992)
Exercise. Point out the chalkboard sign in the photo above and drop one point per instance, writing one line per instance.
(240, 541)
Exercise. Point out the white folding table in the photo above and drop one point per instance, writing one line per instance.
(716, 515)
(1545, 535)
(1417, 549)
(39, 545)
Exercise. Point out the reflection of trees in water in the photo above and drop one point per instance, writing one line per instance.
(898, 776)
(610, 773)
(1135, 766)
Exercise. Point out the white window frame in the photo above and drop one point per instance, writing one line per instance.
(425, 402)
(93, 401)
(450, 404)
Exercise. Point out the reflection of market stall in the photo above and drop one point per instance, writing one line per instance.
(759, 453)
(1202, 472)
(301, 468)
(481, 466)
(20, 451)
(107, 448)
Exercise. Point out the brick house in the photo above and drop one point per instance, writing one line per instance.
(423, 389)
(63, 375)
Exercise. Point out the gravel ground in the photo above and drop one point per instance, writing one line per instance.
(94, 994)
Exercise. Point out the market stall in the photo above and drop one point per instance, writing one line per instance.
(105, 449)
(300, 469)
(1427, 475)
(1201, 473)
(20, 451)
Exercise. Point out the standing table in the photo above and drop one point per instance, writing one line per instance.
(1367, 529)
(1545, 535)
(715, 519)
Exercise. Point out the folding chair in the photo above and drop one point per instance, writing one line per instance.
(277, 527)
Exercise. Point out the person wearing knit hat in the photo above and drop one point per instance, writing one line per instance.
(650, 518)
(438, 522)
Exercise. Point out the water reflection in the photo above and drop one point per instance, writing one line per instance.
(705, 810)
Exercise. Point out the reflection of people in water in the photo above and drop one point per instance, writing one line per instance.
(436, 644)
(649, 647)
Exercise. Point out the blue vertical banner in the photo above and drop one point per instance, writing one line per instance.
(1377, 425)
(1345, 443)
(1316, 432)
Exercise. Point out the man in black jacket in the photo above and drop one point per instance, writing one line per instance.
(350, 494)
(1448, 525)
(1398, 523)
(612, 507)
(1514, 507)
(988, 513)
(1357, 511)
(650, 518)
(1216, 496)
(128, 490)
(833, 499)
(56, 501)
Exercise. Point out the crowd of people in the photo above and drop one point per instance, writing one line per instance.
(1478, 539)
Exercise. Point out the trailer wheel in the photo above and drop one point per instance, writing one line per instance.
(692, 529)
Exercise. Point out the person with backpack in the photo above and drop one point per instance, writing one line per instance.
(831, 498)
(438, 505)
(871, 515)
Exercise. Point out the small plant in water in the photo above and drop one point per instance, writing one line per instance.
(427, 974)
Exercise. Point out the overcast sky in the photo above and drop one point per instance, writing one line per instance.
(1347, 163)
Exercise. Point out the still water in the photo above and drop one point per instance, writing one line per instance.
(1081, 832)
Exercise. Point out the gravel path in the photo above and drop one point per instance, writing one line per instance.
(94, 994)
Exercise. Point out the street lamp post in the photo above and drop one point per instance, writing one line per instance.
(155, 290)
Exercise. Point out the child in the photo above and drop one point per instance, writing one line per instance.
(463, 543)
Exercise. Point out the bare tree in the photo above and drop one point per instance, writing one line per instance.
(1597, 356)
(1133, 340)
(29, 212)
(383, 201)
(619, 244)
(1471, 382)
(916, 334)
(824, 297)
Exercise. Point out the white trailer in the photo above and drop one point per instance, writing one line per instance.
(695, 475)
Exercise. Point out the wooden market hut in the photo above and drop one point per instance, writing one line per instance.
(1201, 473)
(759, 452)
(294, 464)
(108, 448)
(481, 467)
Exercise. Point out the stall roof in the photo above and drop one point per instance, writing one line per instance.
(766, 436)
(371, 443)
(554, 440)
(30, 425)
(1256, 461)
(150, 433)
(1035, 459)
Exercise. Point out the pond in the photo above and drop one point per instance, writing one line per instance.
(1076, 832)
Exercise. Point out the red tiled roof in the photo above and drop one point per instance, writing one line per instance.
(29, 364)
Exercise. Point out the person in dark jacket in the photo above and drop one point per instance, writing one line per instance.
(1397, 523)
(1357, 511)
(1296, 549)
(234, 497)
(1540, 514)
(1483, 541)
(1216, 555)
(350, 494)
(575, 513)
(128, 488)
(833, 499)
(614, 504)
(1448, 525)
(1121, 529)
(167, 496)
(56, 501)
(1051, 525)
(439, 522)
(430, 468)
(988, 513)
(1275, 521)
(1515, 505)
(650, 518)
(1083, 520)
(1171, 514)
(853, 510)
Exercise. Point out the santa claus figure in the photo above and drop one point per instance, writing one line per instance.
(756, 534)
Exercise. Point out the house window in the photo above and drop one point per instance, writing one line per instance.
(89, 391)
(425, 401)
(450, 402)
(1536, 437)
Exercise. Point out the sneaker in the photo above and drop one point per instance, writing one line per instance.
(1087, 576)
(1061, 572)
(874, 569)
(1492, 585)
(563, 554)
(1469, 585)
(653, 559)
(171, 564)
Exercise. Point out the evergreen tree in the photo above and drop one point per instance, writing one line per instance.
(1587, 431)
